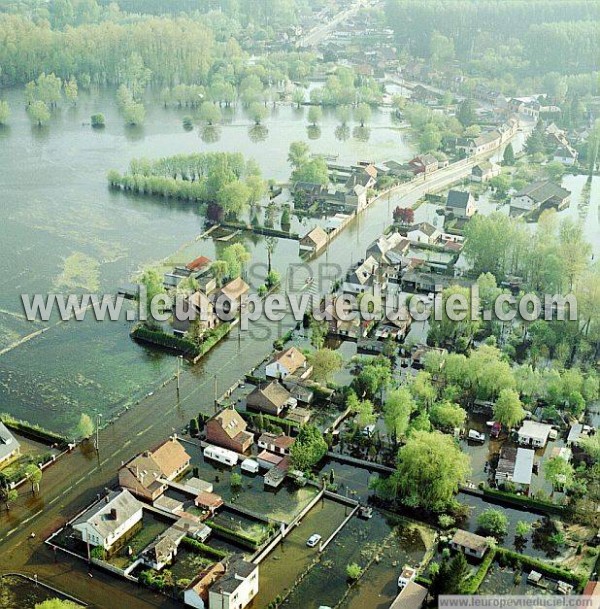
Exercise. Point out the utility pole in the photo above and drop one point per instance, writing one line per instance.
(98, 417)
(178, 373)
(216, 406)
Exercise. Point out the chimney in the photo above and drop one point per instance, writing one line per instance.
(113, 513)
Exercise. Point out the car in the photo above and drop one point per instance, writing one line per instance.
(476, 436)
(313, 540)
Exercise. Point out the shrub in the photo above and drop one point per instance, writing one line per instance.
(200, 548)
(98, 121)
(493, 522)
(353, 571)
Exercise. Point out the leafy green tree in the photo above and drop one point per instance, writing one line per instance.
(430, 139)
(508, 409)
(209, 113)
(559, 472)
(85, 427)
(446, 330)
(343, 114)
(508, 157)
(451, 576)
(235, 480)
(315, 114)
(430, 469)
(373, 378)
(71, 90)
(219, 269)
(493, 522)
(308, 449)
(363, 409)
(39, 112)
(4, 112)
(554, 170)
(446, 415)
(270, 246)
(193, 427)
(236, 256)
(397, 410)
(325, 363)
(466, 113)
(134, 114)
(8, 496)
(362, 114)
(298, 154)
(298, 96)
(314, 171)
(98, 120)
(34, 474)
(233, 198)
(257, 112)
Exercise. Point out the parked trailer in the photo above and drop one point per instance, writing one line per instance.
(222, 455)
(250, 466)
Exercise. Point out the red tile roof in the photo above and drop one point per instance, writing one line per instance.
(198, 263)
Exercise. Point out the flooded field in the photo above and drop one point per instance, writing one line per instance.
(21, 593)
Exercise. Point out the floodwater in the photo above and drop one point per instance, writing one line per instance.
(63, 230)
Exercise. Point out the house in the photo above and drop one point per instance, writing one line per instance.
(565, 154)
(288, 362)
(423, 232)
(196, 308)
(484, 171)
(534, 434)
(357, 197)
(268, 460)
(9, 447)
(313, 241)
(486, 142)
(270, 398)
(298, 416)
(196, 594)
(229, 430)
(198, 265)
(278, 444)
(162, 551)
(423, 164)
(299, 390)
(146, 475)
(362, 176)
(109, 520)
(309, 192)
(412, 596)
(408, 574)
(236, 588)
(470, 543)
(386, 244)
(364, 278)
(460, 204)
(574, 434)
(540, 195)
(235, 291)
(342, 321)
(516, 466)
(210, 502)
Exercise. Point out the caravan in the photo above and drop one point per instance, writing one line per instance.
(222, 455)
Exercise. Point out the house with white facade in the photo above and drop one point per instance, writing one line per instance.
(236, 588)
(109, 520)
(534, 434)
(424, 232)
(9, 446)
(290, 361)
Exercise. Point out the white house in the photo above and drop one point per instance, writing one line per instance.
(424, 233)
(470, 543)
(565, 154)
(237, 587)
(286, 363)
(460, 204)
(544, 194)
(9, 447)
(515, 465)
(534, 434)
(196, 594)
(106, 522)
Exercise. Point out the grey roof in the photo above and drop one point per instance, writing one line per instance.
(426, 227)
(458, 199)
(574, 433)
(523, 466)
(412, 597)
(236, 573)
(8, 443)
(100, 516)
(540, 192)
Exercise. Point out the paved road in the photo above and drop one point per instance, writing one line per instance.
(76, 479)
(316, 35)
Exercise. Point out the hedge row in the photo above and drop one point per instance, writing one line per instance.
(242, 538)
(212, 338)
(477, 579)
(512, 557)
(522, 501)
(33, 431)
(201, 548)
(168, 341)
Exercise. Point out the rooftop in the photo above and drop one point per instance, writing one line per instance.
(472, 541)
(109, 514)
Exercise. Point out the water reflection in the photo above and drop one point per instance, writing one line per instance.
(342, 133)
(258, 133)
(313, 132)
(41, 133)
(210, 134)
(362, 134)
(134, 133)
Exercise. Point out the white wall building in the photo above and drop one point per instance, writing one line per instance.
(237, 588)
